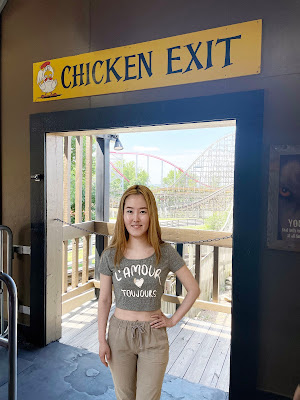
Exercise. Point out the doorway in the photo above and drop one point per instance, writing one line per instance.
(190, 171)
(247, 110)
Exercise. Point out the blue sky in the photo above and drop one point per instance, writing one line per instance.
(180, 147)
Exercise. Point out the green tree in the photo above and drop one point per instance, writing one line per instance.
(171, 177)
(216, 221)
(129, 172)
(73, 174)
(139, 177)
(185, 181)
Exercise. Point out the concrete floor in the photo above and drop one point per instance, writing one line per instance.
(62, 372)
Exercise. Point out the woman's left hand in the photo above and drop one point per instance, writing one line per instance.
(161, 321)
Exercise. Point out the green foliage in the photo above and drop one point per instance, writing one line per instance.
(172, 177)
(215, 222)
(191, 182)
(73, 174)
(185, 181)
(128, 169)
(139, 177)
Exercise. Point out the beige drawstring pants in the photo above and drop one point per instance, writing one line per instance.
(139, 357)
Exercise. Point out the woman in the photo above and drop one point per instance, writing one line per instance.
(137, 263)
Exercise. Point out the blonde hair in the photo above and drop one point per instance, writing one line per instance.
(121, 235)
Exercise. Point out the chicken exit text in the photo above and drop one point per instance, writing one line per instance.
(137, 62)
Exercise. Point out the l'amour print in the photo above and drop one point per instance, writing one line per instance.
(136, 274)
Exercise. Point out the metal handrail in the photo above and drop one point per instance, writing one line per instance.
(9, 257)
(10, 341)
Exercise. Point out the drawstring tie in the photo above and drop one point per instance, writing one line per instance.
(140, 328)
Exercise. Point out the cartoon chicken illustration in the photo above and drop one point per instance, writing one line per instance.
(45, 80)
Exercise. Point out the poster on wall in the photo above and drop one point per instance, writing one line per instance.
(284, 198)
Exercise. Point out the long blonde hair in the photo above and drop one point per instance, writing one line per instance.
(121, 235)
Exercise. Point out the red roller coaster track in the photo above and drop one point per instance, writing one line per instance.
(152, 156)
(118, 171)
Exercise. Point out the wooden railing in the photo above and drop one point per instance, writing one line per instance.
(79, 292)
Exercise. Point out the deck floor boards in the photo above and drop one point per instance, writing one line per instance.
(177, 347)
(223, 381)
(216, 360)
(185, 358)
(199, 347)
(202, 355)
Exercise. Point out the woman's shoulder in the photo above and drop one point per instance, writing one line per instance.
(166, 248)
(109, 252)
(171, 255)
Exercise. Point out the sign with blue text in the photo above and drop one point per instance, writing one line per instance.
(218, 53)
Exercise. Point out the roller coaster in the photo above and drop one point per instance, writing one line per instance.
(202, 190)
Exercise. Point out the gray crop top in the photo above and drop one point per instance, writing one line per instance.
(139, 284)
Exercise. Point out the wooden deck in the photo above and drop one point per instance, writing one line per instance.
(199, 347)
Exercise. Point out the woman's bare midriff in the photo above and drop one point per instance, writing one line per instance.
(129, 315)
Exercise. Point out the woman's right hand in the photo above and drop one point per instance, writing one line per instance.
(104, 353)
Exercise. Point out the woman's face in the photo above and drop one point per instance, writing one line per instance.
(136, 216)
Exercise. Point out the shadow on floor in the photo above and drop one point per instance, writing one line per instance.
(62, 372)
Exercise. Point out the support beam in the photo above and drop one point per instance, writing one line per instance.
(179, 248)
(216, 275)
(102, 196)
(88, 206)
(54, 175)
(198, 257)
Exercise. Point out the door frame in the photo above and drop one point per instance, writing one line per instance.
(247, 109)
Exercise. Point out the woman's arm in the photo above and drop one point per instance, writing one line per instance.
(104, 304)
(193, 291)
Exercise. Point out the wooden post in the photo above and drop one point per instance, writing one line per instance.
(216, 275)
(102, 196)
(67, 175)
(54, 173)
(198, 263)
(65, 267)
(179, 248)
(66, 206)
(78, 209)
(78, 180)
(88, 207)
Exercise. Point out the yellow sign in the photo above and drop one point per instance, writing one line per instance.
(219, 53)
